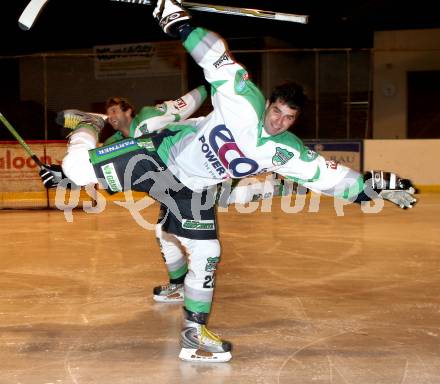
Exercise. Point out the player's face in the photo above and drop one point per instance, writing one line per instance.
(279, 117)
(119, 119)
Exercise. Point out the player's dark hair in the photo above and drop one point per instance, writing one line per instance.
(125, 104)
(290, 93)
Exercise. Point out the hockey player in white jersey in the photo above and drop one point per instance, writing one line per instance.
(122, 116)
(244, 135)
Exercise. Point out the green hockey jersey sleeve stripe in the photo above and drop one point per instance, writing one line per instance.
(199, 42)
(140, 121)
(353, 190)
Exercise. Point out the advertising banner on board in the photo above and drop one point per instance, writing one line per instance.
(18, 172)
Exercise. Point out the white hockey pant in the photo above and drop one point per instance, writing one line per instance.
(76, 164)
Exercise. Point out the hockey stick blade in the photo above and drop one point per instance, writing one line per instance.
(20, 140)
(302, 19)
(30, 14)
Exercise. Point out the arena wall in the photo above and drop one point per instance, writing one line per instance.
(396, 53)
(20, 185)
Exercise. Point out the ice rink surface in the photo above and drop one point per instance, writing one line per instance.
(306, 297)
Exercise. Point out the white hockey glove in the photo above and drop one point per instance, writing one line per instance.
(391, 187)
(170, 14)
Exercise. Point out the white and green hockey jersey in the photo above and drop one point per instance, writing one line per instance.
(231, 142)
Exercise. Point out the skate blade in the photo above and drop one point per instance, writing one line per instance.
(197, 355)
(168, 299)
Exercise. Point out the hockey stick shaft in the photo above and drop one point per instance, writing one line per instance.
(20, 140)
(34, 8)
(30, 14)
(302, 19)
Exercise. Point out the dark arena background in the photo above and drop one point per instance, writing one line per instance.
(309, 289)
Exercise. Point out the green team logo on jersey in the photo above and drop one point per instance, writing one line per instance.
(198, 225)
(282, 156)
(211, 265)
(111, 177)
(241, 80)
(146, 142)
(143, 129)
(308, 155)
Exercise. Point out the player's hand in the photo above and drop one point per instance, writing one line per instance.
(51, 175)
(392, 188)
(404, 199)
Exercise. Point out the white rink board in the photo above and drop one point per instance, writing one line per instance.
(417, 160)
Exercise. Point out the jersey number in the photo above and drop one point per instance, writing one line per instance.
(209, 282)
